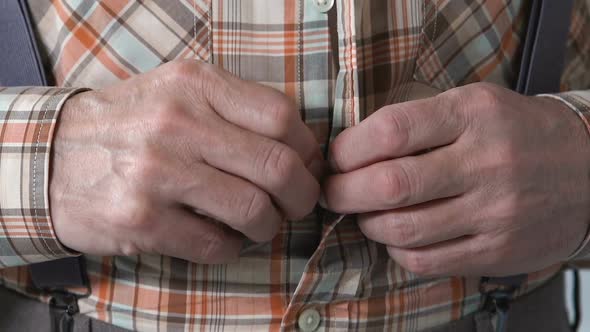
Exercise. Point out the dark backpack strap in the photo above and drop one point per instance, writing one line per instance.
(20, 65)
(544, 50)
(60, 273)
(543, 59)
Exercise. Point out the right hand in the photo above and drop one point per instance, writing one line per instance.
(182, 161)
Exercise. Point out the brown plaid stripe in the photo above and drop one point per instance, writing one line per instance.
(339, 67)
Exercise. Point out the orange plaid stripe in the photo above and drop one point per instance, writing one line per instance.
(339, 68)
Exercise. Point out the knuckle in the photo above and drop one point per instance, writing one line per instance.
(188, 69)
(280, 164)
(165, 119)
(396, 186)
(419, 264)
(202, 79)
(254, 206)
(213, 248)
(282, 113)
(180, 71)
(486, 94)
(206, 71)
(137, 215)
(450, 115)
(391, 131)
(404, 233)
(472, 101)
(503, 161)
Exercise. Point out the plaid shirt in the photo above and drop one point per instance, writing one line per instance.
(339, 67)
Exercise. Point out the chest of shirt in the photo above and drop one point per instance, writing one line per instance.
(339, 62)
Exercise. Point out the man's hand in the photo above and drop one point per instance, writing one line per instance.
(476, 181)
(180, 161)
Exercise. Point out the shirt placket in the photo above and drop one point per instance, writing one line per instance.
(334, 271)
(346, 104)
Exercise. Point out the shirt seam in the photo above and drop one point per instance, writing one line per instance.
(35, 170)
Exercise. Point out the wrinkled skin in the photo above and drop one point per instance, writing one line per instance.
(475, 181)
(185, 161)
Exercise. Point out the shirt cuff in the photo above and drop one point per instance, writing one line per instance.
(28, 116)
(579, 102)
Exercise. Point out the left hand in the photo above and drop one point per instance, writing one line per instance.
(478, 180)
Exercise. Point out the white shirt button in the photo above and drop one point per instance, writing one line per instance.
(323, 5)
(309, 320)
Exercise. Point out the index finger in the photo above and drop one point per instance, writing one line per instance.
(262, 110)
(398, 183)
(396, 131)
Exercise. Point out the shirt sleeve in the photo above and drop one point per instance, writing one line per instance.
(28, 117)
